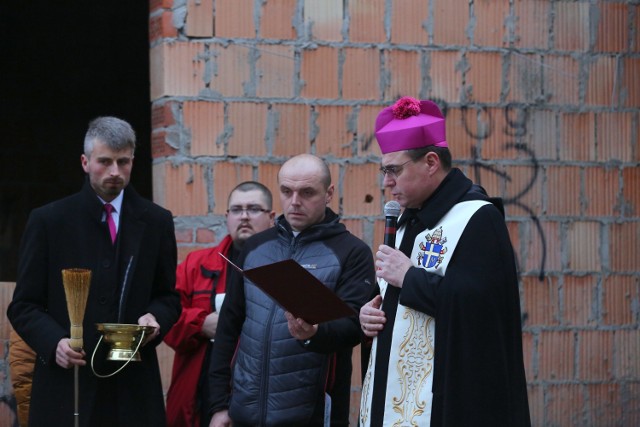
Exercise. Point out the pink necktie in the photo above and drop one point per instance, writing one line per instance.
(110, 222)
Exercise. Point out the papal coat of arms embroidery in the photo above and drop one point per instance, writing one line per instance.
(432, 249)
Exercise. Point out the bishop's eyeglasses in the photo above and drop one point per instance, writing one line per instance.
(393, 170)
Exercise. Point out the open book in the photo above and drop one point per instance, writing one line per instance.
(297, 291)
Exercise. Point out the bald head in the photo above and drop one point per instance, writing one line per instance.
(305, 188)
(310, 164)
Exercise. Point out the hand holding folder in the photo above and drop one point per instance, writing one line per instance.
(297, 291)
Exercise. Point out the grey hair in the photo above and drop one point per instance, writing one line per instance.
(115, 133)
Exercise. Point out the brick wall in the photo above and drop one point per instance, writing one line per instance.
(542, 102)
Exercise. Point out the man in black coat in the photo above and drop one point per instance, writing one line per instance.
(130, 248)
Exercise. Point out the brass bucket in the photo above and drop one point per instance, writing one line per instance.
(124, 340)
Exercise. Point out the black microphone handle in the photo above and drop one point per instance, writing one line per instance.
(390, 223)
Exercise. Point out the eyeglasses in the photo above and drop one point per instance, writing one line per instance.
(393, 170)
(252, 211)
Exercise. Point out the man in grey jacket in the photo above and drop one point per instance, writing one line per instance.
(286, 371)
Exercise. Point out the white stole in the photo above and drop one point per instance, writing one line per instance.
(408, 399)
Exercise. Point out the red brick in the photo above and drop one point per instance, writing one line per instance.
(355, 227)
(513, 228)
(541, 301)
(324, 18)
(491, 179)
(561, 80)
(605, 404)
(536, 404)
(536, 251)
(162, 115)
(226, 176)
(577, 137)
(319, 72)
(335, 135)
(276, 20)
(199, 21)
(563, 190)
(408, 22)
(523, 190)
(204, 122)
(635, 45)
(528, 348)
(564, 404)
(160, 147)
(405, 74)
(501, 128)
(601, 85)
(624, 249)
(234, 19)
(584, 246)
(490, 16)
(595, 355)
(275, 69)
(247, 121)
(484, 76)
(528, 34)
(204, 235)
(336, 201)
(291, 132)
(462, 132)
(161, 26)
(556, 355)
(157, 4)
(525, 77)
(268, 176)
(185, 189)
(578, 307)
(626, 351)
(612, 33)
(366, 24)
(184, 235)
(631, 191)
(630, 86)
(361, 74)
(362, 195)
(630, 407)
(450, 22)
(177, 69)
(540, 135)
(378, 235)
(185, 250)
(615, 137)
(571, 26)
(230, 69)
(620, 296)
(367, 143)
(446, 76)
(601, 191)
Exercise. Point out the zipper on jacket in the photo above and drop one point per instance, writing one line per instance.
(264, 394)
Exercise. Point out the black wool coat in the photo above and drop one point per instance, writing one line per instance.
(133, 277)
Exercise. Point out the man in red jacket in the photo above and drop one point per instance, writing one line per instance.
(201, 281)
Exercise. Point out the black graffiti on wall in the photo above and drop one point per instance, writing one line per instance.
(516, 119)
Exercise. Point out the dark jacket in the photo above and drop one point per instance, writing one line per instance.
(479, 376)
(276, 379)
(71, 233)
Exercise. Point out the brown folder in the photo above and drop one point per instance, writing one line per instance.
(297, 291)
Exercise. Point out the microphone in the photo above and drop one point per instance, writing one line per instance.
(391, 213)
